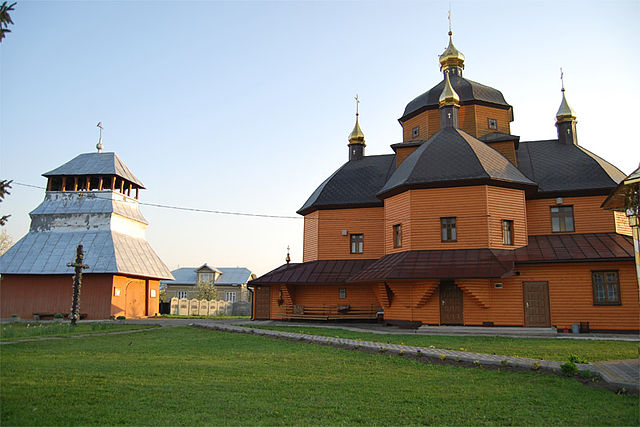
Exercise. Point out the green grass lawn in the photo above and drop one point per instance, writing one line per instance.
(14, 331)
(535, 348)
(192, 376)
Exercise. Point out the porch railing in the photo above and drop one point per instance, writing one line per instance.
(327, 312)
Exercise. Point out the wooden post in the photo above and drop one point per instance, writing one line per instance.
(101, 183)
(137, 189)
(75, 183)
(113, 183)
(77, 282)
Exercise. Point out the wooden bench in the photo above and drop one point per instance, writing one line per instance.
(48, 316)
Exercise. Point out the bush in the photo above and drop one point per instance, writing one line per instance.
(569, 369)
(58, 316)
(120, 318)
(535, 366)
(589, 374)
(574, 358)
(14, 316)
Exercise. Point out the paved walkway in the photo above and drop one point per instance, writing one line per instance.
(619, 374)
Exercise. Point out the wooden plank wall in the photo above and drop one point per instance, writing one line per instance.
(397, 210)
(325, 240)
(310, 237)
(507, 149)
(588, 216)
(357, 295)
(482, 114)
(468, 204)
(27, 294)
(403, 152)
(622, 223)
(507, 203)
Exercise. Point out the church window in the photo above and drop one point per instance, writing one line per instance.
(415, 132)
(449, 233)
(342, 293)
(606, 288)
(562, 219)
(397, 236)
(357, 243)
(493, 124)
(507, 232)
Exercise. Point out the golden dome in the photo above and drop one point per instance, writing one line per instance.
(565, 112)
(448, 95)
(451, 57)
(356, 136)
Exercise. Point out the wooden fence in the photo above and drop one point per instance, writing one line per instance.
(328, 312)
(196, 307)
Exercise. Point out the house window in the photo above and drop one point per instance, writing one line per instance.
(415, 132)
(507, 232)
(561, 219)
(152, 293)
(357, 243)
(397, 236)
(493, 124)
(230, 296)
(606, 288)
(205, 277)
(182, 294)
(342, 293)
(449, 233)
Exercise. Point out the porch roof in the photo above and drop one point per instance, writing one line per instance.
(314, 272)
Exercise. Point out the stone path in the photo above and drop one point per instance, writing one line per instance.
(620, 374)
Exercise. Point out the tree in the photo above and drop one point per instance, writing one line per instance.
(207, 290)
(6, 241)
(5, 19)
(4, 190)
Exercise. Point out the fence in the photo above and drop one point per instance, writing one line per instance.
(196, 307)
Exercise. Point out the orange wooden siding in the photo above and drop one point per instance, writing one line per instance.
(326, 241)
(24, 295)
(397, 210)
(310, 237)
(588, 216)
(507, 204)
(473, 119)
(403, 152)
(570, 298)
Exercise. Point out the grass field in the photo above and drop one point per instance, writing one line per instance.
(190, 376)
(535, 348)
(14, 331)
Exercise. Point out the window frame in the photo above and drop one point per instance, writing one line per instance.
(184, 293)
(229, 293)
(615, 284)
(562, 218)
(397, 235)
(352, 241)
(494, 122)
(509, 228)
(451, 228)
(415, 132)
(342, 293)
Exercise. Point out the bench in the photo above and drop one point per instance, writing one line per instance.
(48, 316)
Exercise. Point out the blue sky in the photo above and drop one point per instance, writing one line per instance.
(246, 106)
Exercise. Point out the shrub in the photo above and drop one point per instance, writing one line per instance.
(58, 316)
(569, 369)
(476, 362)
(443, 356)
(120, 318)
(505, 362)
(589, 374)
(535, 366)
(574, 358)
(14, 316)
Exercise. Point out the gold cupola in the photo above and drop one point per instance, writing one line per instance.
(565, 112)
(356, 138)
(448, 96)
(451, 57)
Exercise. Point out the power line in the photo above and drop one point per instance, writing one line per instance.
(258, 215)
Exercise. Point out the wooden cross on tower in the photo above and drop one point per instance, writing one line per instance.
(77, 282)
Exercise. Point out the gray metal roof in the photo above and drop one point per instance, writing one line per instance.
(566, 168)
(91, 202)
(452, 155)
(96, 164)
(105, 252)
(467, 90)
(230, 276)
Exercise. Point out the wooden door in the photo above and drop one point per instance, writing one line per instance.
(451, 310)
(262, 302)
(536, 304)
(135, 299)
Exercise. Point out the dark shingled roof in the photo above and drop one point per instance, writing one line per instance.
(315, 272)
(453, 156)
(96, 164)
(355, 184)
(439, 264)
(500, 137)
(467, 90)
(564, 169)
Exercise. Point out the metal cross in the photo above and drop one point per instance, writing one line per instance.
(449, 15)
(77, 282)
(562, 78)
(357, 102)
(100, 126)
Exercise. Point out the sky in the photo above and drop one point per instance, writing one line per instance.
(246, 106)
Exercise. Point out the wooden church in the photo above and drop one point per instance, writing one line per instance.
(93, 200)
(464, 224)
